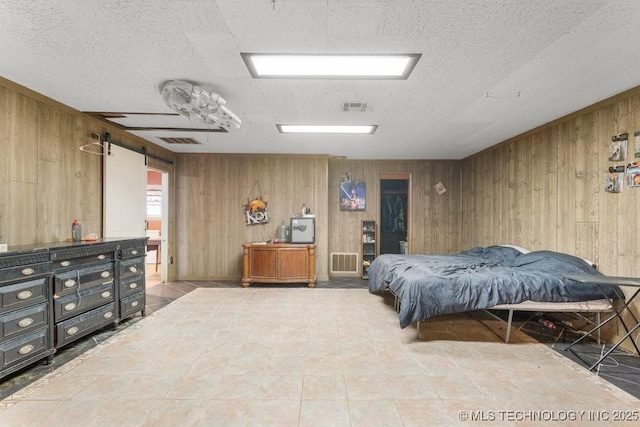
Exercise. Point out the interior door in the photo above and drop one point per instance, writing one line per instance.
(393, 230)
(124, 193)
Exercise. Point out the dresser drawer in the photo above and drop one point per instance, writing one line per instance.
(20, 322)
(132, 304)
(23, 348)
(23, 294)
(133, 252)
(72, 281)
(69, 259)
(81, 325)
(131, 285)
(24, 271)
(131, 267)
(74, 304)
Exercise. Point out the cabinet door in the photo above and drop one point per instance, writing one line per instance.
(263, 263)
(293, 263)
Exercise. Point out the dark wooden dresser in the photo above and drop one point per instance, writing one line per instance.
(53, 294)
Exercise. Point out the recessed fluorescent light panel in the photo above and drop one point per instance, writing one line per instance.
(318, 66)
(366, 129)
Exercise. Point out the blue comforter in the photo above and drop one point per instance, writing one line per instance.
(430, 285)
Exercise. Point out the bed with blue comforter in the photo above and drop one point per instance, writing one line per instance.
(479, 278)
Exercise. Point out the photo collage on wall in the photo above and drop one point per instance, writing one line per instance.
(620, 176)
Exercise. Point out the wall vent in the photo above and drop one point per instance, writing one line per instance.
(181, 141)
(344, 263)
(355, 106)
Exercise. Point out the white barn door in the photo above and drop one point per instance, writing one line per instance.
(124, 193)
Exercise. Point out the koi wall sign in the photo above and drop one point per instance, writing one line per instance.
(256, 212)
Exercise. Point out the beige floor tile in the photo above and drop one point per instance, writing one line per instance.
(357, 347)
(93, 366)
(370, 413)
(362, 365)
(324, 335)
(501, 390)
(208, 365)
(283, 387)
(273, 413)
(290, 348)
(419, 413)
(247, 364)
(175, 413)
(285, 365)
(60, 387)
(454, 388)
(324, 388)
(325, 348)
(135, 387)
(28, 413)
(73, 413)
(367, 387)
(323, 365)
(324, 413)
(396, 366)
(223, 413)
(236, 387)
(412, 387)
(434, 364)
(192, 387)
(117, 412)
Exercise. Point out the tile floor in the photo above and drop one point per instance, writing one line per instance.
(222, 355)
(621, 368)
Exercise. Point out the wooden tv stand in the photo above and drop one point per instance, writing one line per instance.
(278, 263)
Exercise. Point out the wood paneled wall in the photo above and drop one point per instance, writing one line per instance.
(45, 181)
(212, 190)
(542, 190)
(434, 221)
(545, 190)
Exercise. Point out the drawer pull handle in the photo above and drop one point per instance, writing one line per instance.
(27, 321)
(72, 330)
(28, 271)
(26, 349)
(65, 263)
(105, 274)
(133, 269)
(133, 285)
(70, 306)
(134, 252)
(69, 283)
(25, 295)
(106, 294)
(102, 256)
(108, 315)
(135, 303)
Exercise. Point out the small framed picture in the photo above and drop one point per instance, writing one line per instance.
(633, 175)
(352, 196)
(614, 182)
(618, 147)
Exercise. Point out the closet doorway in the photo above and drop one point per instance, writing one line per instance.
(394, 212)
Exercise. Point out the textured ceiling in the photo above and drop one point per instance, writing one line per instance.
(490, 69)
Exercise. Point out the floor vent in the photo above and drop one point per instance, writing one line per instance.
(182, 141)
(344, 263)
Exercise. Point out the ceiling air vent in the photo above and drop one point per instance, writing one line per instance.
(355, 106)
(181, 141)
